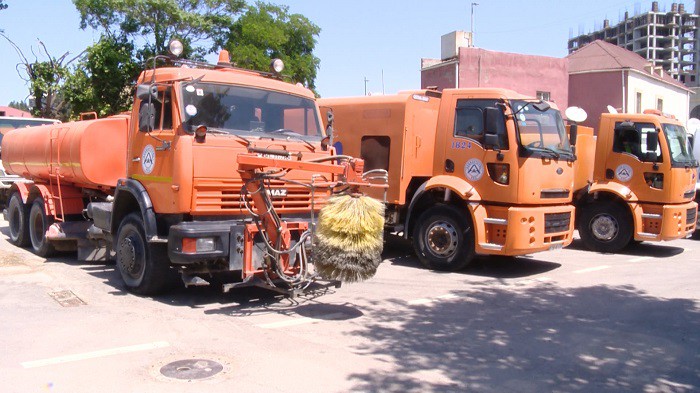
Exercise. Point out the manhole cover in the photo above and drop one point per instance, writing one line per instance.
(191, 369)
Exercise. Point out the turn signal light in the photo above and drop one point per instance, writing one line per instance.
(500, 173)
(201, 244)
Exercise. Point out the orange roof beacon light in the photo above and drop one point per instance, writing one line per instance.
(222, 175)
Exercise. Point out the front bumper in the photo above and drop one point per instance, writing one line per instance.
(664, 222)
(520, 230)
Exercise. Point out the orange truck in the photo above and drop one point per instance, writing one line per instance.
(635, 181)
(217, 174)
(471, 171)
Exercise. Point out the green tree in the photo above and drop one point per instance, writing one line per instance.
(194, 22)
(103, 78)
(45, 78)
(3, 5)
(21, 105)
(267, 31)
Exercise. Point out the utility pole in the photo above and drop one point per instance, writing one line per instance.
(471, 43)
(366, 80)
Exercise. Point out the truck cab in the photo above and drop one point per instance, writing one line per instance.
(642, 183)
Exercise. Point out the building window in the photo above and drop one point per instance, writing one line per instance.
(638, 104)
(544, 95)
(660, 104)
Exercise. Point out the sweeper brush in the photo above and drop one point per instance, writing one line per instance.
(349, 238)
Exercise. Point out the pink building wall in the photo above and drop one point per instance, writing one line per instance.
(594, 92)
(526, 74)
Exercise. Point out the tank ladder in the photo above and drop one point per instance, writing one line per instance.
(55, 174)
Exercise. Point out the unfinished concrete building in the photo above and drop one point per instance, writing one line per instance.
(667, 38)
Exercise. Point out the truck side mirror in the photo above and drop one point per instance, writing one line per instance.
(652, 142)
(147, 116)
(144, 92)
(492, 122)
(573, 133)
(329, 130)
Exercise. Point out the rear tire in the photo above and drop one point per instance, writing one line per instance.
(39, 223)
(444, 239)
(144, 267)
(18, 219)
(606, 226)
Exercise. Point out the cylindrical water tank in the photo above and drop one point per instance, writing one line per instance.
(88, 153)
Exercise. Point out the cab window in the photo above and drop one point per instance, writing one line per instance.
(469, 121)
(632, 139)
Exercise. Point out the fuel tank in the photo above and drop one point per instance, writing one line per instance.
(90, 153)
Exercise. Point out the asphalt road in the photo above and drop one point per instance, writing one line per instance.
(567, 320)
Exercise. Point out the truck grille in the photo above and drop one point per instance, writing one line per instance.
(690, 216)
(224, 197)
(556, 222)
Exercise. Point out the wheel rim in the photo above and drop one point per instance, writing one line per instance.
(604, 227)
(131, 257)
(442, 239)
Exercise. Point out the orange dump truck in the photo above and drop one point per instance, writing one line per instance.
(635, 180)
(218, 172)
(471, 171)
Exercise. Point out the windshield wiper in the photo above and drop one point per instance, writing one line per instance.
(552, 153)
(289, 133)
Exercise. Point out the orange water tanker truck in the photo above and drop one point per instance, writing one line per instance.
(218, 172)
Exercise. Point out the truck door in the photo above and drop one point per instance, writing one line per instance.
(151, 160)
(465, 153)
(632, 163)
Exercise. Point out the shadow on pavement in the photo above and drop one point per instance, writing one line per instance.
(539, 339)
(400, 252)
(643, 249)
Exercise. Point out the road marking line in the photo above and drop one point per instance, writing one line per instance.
(95, 354)
(640, 259)
(301, 321)
(592, 269)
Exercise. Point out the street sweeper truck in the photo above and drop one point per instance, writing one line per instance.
(635, 181)
(217, 175)
(471, 171)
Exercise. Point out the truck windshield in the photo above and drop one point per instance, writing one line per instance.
(677, 138)
(237, 109)
(541, 133)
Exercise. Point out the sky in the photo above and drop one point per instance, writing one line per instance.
(381, 40)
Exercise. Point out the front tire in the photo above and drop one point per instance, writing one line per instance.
(444, 239)
(144, 267)
(18, 219)
(39, 223)
(606, 227)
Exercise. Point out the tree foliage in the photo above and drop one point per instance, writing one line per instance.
(267, 31)
(45, 78)
(103, 79)
(3, 5)
(21, 105)
(158, 21)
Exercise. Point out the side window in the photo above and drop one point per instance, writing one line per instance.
(632, 139)
(470, 117)
(160, 110)
(469, 122)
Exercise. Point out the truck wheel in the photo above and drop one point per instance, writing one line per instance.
(444, 239)
(39, 223)
(605, 227)
(18, 217)
(144, 267)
